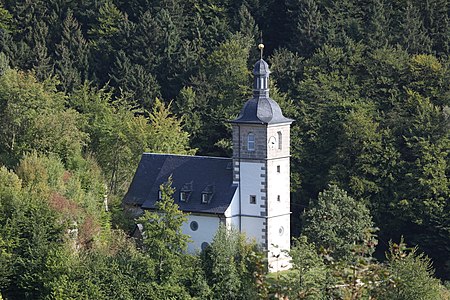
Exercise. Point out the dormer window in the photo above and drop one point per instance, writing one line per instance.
(280, 140)
(185, 191)
(184, 196)
(207, 194)
(251, 142)
(206, 198)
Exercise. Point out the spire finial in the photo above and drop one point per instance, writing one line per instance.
(261, 46)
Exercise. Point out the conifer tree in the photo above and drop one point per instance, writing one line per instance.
(71, 63)
(42, 64)
(166, 134)
(344, 21)
(306, 24)
(163, 239)
(247, 25)
(5, 19)
(108, 22)
(220, 265)
(378, 26)
(413, 35)
(437, 22)
(410, 275)
(134, 82)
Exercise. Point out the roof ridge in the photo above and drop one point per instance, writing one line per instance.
(271, 108)
(185, 155)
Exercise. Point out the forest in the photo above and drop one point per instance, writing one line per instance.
(87, 86)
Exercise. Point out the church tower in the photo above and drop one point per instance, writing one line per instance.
(261, 154)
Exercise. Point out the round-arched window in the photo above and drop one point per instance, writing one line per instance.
(280, 140)
(194, 226)
(281, 230)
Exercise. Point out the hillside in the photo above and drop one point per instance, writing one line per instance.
(87, 86)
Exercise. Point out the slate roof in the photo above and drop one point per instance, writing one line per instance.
(261, 109)
(194, 174)
(261, 68)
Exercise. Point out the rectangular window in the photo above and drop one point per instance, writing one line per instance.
(280, 140)
(251, 142)
(278, 169)
(252, 199)
(205, 198)
(278, 198)
(183, 196)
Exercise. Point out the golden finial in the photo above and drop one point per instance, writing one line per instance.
(261, 48)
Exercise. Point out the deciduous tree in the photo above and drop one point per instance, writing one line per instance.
(337, 222)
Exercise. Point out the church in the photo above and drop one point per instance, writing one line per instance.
(250, 191)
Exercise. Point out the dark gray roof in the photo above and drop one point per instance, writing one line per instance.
(261, 68)
(193, 174)
(261, 109)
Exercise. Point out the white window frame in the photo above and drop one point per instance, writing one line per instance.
(205, 198)
(183, 196)
(251, 141)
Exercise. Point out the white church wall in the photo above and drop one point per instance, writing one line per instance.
(251, 222)
(206, 229)
(232, 212)
(278, 241)
(278, 186)
(233, 222)
(251, 184)
(233, 209)
(252, 227)
(279, 234)
(278, 194)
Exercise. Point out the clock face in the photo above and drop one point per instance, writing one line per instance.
(272, 142)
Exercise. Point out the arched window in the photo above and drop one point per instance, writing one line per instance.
(251, 142)
(280, 140)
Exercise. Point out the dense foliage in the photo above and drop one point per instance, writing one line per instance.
(87, 86)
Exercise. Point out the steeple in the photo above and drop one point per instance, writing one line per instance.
(261, 109)
(261, 170)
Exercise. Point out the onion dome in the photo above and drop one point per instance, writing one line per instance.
(261, 109)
